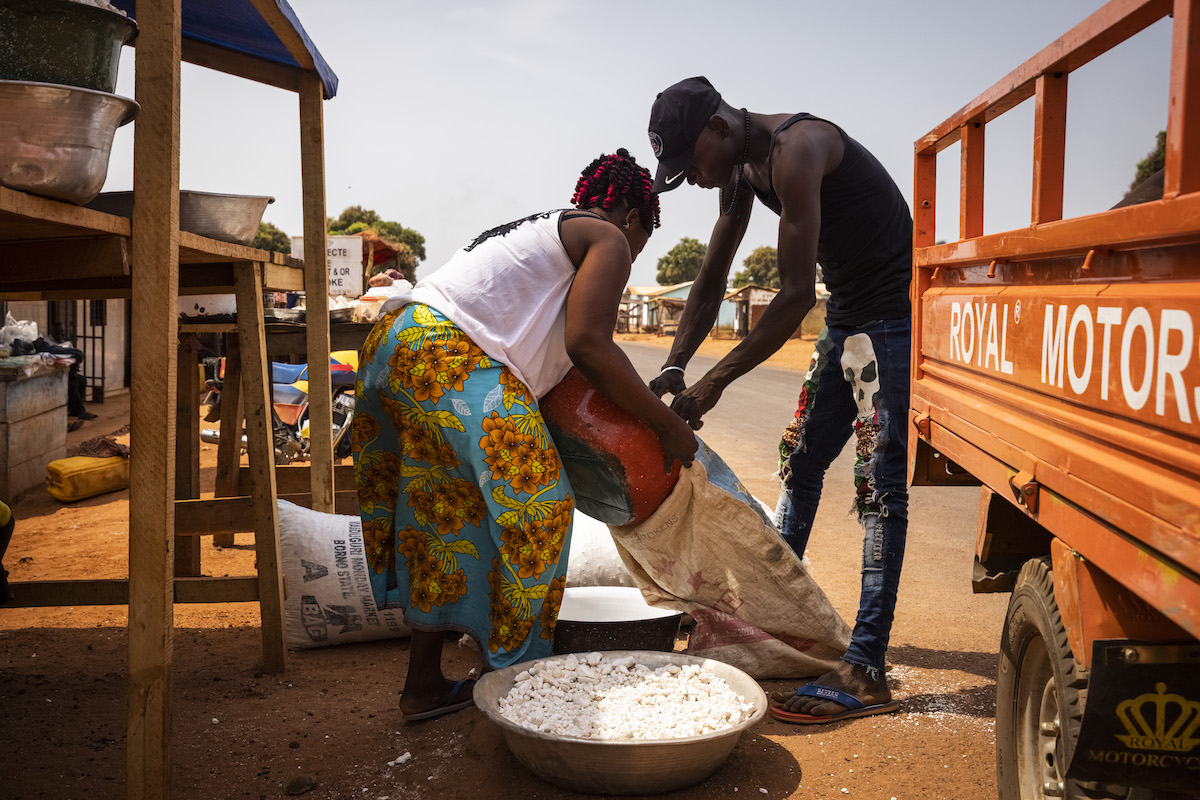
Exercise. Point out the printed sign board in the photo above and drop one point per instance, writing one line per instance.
(345, 260)
(1125, 350)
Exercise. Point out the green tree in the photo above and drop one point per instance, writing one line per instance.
(350, 216)
(1155, 160)
(761, 269)
(272, 239)
(356, 219)
(681, 263)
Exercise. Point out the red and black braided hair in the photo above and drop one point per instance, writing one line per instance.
(618, 179)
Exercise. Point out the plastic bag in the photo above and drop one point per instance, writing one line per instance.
(25, 329)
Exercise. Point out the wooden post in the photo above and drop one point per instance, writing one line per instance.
(261, 451)
(152, 401)
(187, 449)
(924, 219)
(1049, 146)
(970, 201)
(316, 291)
(229, 449)
(1183, 114)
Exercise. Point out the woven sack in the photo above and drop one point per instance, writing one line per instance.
(710, 551)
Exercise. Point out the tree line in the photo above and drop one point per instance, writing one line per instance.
(408, 244)
(681, 264)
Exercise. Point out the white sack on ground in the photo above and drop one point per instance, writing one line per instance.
(709, 550)
(329, 599)
(594, 560)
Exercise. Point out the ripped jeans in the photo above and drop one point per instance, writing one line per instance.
(857, 384)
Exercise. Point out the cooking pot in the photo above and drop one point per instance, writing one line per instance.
(60, 41)
(612, 618)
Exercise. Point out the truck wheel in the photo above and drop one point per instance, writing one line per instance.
(1040, 694)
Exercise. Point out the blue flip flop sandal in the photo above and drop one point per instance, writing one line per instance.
(854, 707)
(448, 707)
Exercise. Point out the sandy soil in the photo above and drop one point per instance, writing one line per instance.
(333, 719)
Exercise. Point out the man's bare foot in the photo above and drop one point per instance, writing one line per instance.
(846, 677)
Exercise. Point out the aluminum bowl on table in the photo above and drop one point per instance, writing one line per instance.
(225, 217)
(55, 140)
(622, 766)
(62, 41)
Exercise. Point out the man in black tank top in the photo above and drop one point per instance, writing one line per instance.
(837, 206)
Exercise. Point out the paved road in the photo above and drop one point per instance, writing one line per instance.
(943, 655)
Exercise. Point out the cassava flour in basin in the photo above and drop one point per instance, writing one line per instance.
(594, 697)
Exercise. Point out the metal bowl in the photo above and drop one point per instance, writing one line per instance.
(55, 140)
(227, 217)
(61, 41)
(598, 618)
(632, 766)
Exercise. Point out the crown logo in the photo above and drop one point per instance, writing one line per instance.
(1160, 721)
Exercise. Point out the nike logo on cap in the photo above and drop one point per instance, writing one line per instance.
(674, 178)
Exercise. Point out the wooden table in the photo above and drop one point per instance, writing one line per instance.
(53, 250)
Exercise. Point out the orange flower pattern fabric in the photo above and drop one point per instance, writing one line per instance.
(466, 513)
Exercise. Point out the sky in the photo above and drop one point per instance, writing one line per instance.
(454, 117)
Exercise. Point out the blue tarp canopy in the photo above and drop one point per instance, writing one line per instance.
(212, 28)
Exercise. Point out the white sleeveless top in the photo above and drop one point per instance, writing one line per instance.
(507, 290)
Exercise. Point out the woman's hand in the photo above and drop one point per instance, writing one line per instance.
(678, 443)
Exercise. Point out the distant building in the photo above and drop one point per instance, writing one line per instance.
(749, 303)
(640, 309)
(658, 309)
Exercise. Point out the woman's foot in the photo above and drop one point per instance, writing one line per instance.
(426, 702)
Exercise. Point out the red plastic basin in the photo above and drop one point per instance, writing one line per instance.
(613, 459)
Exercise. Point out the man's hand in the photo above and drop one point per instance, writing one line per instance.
(669, 381)
(695, 402)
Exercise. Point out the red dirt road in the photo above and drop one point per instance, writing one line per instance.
(333, 716)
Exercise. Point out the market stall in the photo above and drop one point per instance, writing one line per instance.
(52, 247)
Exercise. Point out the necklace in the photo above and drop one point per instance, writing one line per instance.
(745, 154)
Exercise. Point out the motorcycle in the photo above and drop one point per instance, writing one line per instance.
(289, 406)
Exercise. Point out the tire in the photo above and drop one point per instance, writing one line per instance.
(1040, 687)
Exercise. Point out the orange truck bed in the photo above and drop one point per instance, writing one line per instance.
(1059, 367)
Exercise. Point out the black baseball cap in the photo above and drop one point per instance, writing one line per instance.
(677, 118)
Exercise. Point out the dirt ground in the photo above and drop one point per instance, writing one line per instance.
(332, 718)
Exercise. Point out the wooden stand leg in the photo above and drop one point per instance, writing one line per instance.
(187, 450)
(261, 450)
(154, 328)
(229, 450)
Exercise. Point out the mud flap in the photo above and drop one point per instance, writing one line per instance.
(1141, 725)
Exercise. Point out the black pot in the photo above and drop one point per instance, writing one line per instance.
(58, 41)
(612, 618)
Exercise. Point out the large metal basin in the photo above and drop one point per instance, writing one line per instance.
(55, 140)
(59, 41)
(227, 217)
(629, 766)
